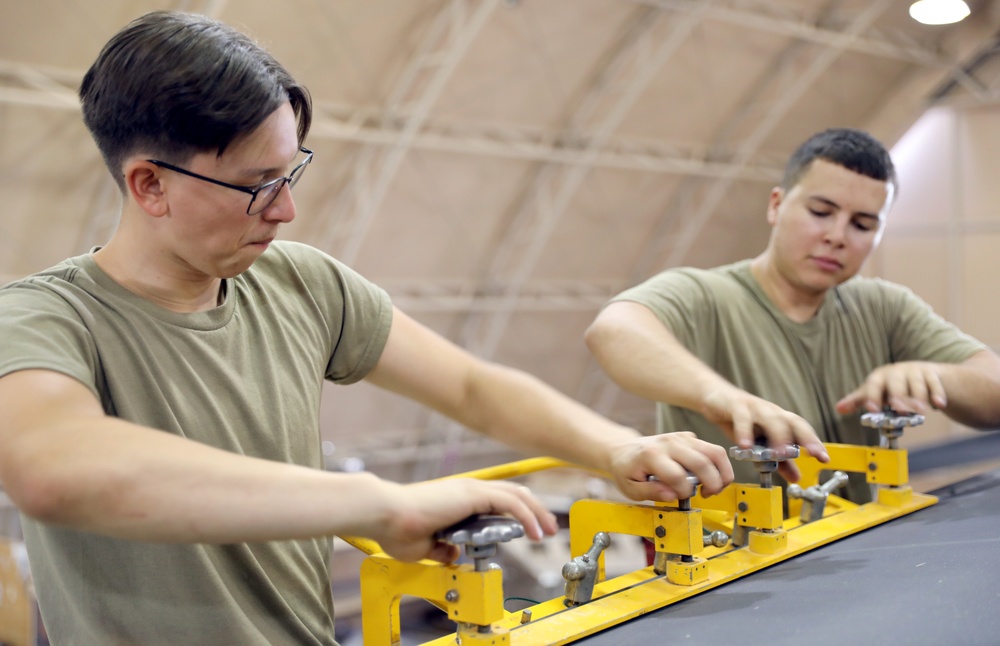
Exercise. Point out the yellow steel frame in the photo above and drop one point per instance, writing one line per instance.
(473, 597)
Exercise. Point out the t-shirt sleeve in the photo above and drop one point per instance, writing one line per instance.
(680, 300)
(40, 329)
(917, 333)
(367, 318)
(357, 312)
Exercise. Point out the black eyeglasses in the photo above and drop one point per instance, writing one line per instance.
(268, 192)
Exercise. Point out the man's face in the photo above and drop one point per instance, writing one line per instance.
(826, 226)
(207, 230)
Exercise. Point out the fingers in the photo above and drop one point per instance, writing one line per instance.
(516, 501)
(746, 416)
(668, 459)
(806, 438)
(782, 428)
(538, 521)
(790, 472)
(938, 398)
(906, 387)
(851, 403)
(743, 426)
(442, 552)
(426, 507)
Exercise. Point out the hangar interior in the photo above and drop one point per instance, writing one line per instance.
(503, 167)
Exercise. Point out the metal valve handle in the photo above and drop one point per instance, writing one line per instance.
(480, 534)
(481, 529)
(765, 458)
(814, 497)
(891, 424)
(581, 572)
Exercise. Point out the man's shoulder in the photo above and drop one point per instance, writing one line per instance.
(66, 275)
(289, 260)
(714, 279)
(872, 287)
(289, 252)
(687, 288)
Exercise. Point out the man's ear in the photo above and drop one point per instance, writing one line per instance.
(143, 183)
(774, 203)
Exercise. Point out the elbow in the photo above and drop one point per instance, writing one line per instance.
(596, 338)
(39, 495)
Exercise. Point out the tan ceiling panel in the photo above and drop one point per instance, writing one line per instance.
(503, 166)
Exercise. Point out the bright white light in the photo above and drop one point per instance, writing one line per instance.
(939, 12)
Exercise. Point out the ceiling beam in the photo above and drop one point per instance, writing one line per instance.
(420, 85)
(629, 67)
(463, 297)
(629, 70)
(344, 124)
(536, 145)
(891, 45)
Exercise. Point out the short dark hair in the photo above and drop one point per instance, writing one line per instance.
(855, 150)
(175, 84)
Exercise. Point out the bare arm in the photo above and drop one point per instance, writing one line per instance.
(968, 392)
(64, 462)
(642, 356)
(521, 411)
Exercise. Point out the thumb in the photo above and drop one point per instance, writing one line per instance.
(442, 552)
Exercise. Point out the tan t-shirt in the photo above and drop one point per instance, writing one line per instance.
(723, 316)
(245, 377)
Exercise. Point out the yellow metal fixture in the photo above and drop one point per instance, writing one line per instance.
(692, 555)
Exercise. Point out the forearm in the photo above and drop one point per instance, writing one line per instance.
(521, 411)
(973, 390)
(137, 483)
(644, 358)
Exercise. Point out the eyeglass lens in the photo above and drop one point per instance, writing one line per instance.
(269, 193)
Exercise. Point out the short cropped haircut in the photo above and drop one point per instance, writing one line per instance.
(855, 150)
(174, 84)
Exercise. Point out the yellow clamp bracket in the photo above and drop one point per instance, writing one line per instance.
(466, 595)
(672, 530)
(880, 465)
(759, 507)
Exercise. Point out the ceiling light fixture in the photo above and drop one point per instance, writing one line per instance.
(939, 12)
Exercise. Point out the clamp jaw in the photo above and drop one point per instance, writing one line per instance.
(678, 561)
(760, 513)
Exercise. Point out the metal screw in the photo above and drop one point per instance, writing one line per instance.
(660, 531)
(451, 596)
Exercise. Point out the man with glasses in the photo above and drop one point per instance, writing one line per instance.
(159, 397)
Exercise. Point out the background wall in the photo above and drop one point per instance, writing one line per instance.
(943, 236)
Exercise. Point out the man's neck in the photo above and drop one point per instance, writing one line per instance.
(794, 302)
(138, 272)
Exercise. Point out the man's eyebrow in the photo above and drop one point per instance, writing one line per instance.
(251, 172)
(275, 170)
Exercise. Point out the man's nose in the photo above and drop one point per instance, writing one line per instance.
(836, 232)
(282, 209)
